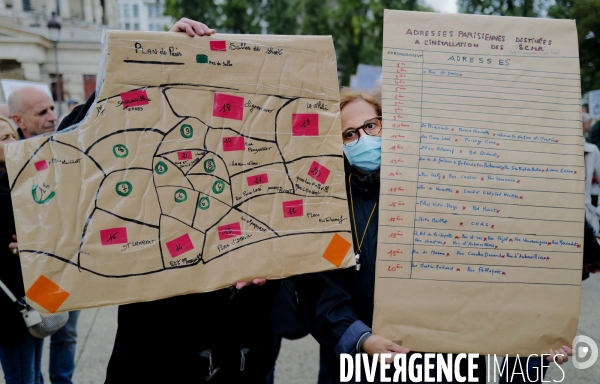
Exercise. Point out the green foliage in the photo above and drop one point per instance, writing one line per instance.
(526, 8)
(356, 25)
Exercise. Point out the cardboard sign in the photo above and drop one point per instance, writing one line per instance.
(482, 192)
(178, 180)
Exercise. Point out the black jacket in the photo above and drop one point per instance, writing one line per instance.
(12, 326)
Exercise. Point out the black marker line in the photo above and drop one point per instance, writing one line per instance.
(493, 188)
(27, 162)
(486, 248)
(480, 105)
(481, 202)
(457, 230)
(493, 122)
(195, 190)
(479, 97)
(86, 269)
(153, 62)
(182, 222)
(271, 238)
(119, 95)
(260, 221)
(287, 172)
(486, 216)
(123, 131)
(476, 281)
(486, 137)
(243, 135)
(496, 174)
(485, 265)
(450, 132)
(544, 165)
(478, 148)
(493, 73)
(78, 149)
(478, 90)
(180, 171)
(208, 174)
(128, 219)
(437, 77)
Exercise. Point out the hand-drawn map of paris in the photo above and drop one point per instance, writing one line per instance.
(203, 161)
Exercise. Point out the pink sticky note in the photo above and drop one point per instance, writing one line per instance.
(263, 178)
(233, 143)
(305, 124)
(41, 165)
(218, 45)
(184, 155)
(318, 172)
(134, 98)
(180, 245)
(228, 106)
(229, 230)
(293, 208)
(113, 236)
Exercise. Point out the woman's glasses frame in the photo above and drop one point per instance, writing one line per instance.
(371, 131)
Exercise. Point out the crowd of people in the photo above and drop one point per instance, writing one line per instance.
(231, 335)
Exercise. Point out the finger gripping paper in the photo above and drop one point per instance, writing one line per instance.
(202, 162)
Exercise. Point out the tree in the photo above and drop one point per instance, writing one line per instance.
(206, 11)
(525, 8)
(587, 16)
(241, 16)
(281, 16)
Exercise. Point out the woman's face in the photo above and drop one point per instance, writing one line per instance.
(354, 115)
(6, 136)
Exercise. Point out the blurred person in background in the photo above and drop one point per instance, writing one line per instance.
(20, 353)
(32, 110)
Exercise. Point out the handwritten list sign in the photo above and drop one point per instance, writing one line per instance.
(482, 192)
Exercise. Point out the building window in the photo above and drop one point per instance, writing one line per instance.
(151, 27)
(150, 11)
(126, 10)
(119, 10)
(127, 26)
(136, 26)
(53, 87)
(158, 10)
(136, 10)
(158, 28)
(89, 85)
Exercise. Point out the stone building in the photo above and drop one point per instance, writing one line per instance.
(142, 15)
(26, 51)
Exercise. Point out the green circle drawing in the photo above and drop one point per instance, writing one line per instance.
(180, 196)
(218, 187)
(124, 188)
(161, 168)
(186, 131)
(120, 151)
(204, 203)
(209, 166)
(42, 191)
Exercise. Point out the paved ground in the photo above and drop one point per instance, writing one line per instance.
(298, 361)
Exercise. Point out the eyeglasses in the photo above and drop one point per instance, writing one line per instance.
(371, 127)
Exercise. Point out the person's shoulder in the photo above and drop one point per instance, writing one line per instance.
(590, 148)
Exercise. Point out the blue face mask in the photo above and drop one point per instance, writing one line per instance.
(366, 154)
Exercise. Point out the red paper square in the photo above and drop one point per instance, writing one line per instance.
(218, 45)
(233, 143)
(134, 98)
(184, 155)
(293, 208)
(263, 178)
(318, 172)
(113, 236)
(228, 106)
(305, 124)
(41, 165)
(180, 245)
(229, 230)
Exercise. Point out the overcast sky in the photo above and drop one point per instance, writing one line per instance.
(445, 6)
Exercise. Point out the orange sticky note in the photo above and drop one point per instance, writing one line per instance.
(47, 294)
(336, 250)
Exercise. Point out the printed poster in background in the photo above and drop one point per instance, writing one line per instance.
(594, 103)
(482, 193)
(202, 162)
